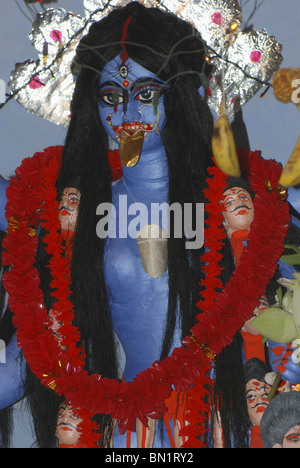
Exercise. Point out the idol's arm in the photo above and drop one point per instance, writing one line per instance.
(12, 373)
(3, 186)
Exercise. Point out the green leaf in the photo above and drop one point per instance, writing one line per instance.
(292, 247)
(276, 324)
(293, 259)
(296, 303)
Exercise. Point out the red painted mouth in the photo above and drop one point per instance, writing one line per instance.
(65, 212)
(131, 128)
(241, 212)
(261, 409)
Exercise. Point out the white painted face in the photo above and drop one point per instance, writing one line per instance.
(257, 399)
(239, 210)
(68, 208)
(68, 421)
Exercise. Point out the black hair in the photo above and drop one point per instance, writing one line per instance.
(255, 368)
(241, 182)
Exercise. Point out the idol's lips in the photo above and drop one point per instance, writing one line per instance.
(65, 212)
(261, 408)
(131, 129)
(241, 212)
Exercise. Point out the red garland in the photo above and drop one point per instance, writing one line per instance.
(258, 263)
(197, 404)
(63, 370)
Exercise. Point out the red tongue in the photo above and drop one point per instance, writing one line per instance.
(131, 147)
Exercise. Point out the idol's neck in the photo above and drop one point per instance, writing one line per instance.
(151, 173)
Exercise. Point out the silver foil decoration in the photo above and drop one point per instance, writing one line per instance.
(46, 86)
(243, 61)
(256, 56)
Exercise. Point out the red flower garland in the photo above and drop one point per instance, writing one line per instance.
(197, 404)
(258, 262)
(63, 370)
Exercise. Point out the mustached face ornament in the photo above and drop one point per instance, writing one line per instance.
(131, 108)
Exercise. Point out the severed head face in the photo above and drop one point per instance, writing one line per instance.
(68, 421)
(238, 210)
(68, 208)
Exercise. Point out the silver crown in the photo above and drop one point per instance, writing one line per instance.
(243, 62)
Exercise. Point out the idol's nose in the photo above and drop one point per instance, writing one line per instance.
(131, 113)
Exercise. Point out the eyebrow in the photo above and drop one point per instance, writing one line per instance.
(110, 83)
(149, 80)
(292, 435)
(254, 390)
(235, 193)
(137, 82)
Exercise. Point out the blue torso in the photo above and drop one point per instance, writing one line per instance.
(138, 302)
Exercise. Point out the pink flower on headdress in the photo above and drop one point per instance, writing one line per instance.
(217, 18)
(35, 83)
(255, 56)
(56, 35)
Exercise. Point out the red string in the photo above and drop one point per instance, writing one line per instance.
(124, 54)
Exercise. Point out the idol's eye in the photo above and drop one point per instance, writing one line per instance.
(74, 200)
(111, 97)
(294, 439)
(61, 412)
(251, 397)
(229, 202)
(147, 95)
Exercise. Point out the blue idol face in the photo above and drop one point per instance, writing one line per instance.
(131, 103)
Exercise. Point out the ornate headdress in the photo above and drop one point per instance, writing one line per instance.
(243, 62)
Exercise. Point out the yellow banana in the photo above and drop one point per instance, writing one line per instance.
(223, 147)
(291, 173)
